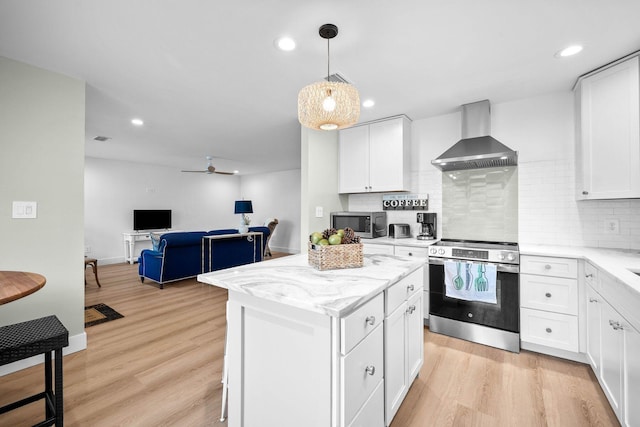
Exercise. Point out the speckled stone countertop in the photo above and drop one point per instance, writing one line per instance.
(620, 265)
(291, 280)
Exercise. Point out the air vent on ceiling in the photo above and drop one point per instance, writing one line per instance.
(101, 138)
(335, 77)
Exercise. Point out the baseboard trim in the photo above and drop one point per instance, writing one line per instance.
(563, 354)
(76, 343)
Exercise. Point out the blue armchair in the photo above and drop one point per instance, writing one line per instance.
(182, 255)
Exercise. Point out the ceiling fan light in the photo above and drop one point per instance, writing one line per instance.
(312, 101)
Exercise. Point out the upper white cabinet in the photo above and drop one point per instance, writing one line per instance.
(608, 129)
(375, 157)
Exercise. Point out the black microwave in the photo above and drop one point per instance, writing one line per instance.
(365, 224)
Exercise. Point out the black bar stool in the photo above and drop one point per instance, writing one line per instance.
(40, 336)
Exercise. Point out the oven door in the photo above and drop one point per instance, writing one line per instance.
(503, 315)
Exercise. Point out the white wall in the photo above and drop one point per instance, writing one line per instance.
(319, 181)
(541, 129)
(113, 189)
(276, 195)
(41, 160)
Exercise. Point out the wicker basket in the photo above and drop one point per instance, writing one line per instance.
(331, 257)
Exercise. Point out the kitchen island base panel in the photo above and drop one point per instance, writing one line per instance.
(492, 337)
(280, 364)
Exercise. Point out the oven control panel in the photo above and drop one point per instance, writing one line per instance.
(491, 255)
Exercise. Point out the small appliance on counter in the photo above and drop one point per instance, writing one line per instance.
(399, 231)
(428, 225)
(367, 225)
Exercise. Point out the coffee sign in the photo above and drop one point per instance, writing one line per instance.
(405, 202)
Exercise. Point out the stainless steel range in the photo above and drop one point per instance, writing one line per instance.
(474, 292)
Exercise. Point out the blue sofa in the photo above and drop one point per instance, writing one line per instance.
(182, 255)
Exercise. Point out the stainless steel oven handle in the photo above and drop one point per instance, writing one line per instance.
(503, 268)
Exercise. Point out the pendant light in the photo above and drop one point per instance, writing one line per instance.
(328, 105)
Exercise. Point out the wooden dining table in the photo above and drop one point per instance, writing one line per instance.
(17, 284)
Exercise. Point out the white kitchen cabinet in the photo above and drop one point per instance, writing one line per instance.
(549, 299)
(594, 302)
(420, 252)
(374, 248)
(613, 345)
(608, 128)
(375, 157)
(611, 356)
(404, 346)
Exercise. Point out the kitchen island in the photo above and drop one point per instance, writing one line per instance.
(321, 348)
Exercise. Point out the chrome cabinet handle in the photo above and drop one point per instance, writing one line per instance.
(548, 330)
(593, 300)
(548, 295)
(589, 276)
(410, 253)
(371, 370)
(370, 320)
(616, 325)
(547, 267)
(585, 192)
(410, 288)
(410, 309)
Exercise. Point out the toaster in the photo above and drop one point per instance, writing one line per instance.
(399, 231)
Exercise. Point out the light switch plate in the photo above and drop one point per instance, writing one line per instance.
(25, 210)
(319, 212)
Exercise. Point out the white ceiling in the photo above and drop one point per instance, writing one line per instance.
(206, 78)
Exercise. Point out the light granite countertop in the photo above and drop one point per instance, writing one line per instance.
(291, 280)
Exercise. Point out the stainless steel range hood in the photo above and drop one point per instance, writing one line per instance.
(477, 149)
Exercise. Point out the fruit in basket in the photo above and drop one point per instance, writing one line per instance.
(329, 232)
(335, 239)
(350, 237)
(340, 232)
(315, 237)
(323, 242)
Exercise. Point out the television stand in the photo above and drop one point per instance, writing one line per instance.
(133, 237)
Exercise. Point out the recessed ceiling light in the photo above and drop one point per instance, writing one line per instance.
(569, 51)
(236, 171)
(137, 122)
(368, 103)
(286, 44)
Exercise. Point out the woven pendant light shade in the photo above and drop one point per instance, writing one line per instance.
(312, 103)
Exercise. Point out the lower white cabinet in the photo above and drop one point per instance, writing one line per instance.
(290, 367)
(418, 252)
(613, 346)
(374, 248)
(404, 346)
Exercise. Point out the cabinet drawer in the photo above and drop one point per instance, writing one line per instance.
(551, 329)
(412, 251)
(372, 413)
(361, 322)
(402, 290)
(555, 294)
(362, 371)
(373, 249)
(549, 266)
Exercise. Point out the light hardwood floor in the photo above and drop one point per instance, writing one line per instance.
(161, 365)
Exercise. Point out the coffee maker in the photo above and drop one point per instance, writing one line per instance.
(428, 225)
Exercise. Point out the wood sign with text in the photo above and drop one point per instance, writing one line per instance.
(405, 202)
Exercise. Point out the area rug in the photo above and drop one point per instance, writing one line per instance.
(99, 313)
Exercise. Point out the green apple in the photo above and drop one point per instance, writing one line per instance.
(340, 232)
(323, 242)
(315, 237)
(335, 239)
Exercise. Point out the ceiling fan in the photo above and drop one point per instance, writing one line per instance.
(211, 169)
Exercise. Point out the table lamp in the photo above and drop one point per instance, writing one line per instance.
(244, 207)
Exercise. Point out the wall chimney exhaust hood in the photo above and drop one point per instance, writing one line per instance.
(477, 149)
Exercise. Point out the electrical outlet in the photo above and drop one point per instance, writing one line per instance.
(87, 249)
(612, 226)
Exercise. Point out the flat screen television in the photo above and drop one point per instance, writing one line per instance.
(151, 219)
